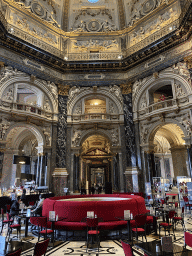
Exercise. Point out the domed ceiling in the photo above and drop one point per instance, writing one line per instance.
(86, 30)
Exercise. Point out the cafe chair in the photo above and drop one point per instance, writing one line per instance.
(42, 228)
(179, 219)
(188, 239)
(31, 203)
(8, 208)
(8, 221)
(92, 230)
(127, 249)
(14, 226)
(140, 229)
(41, 248)
(187, 204)
(15, 253)
(167, 225)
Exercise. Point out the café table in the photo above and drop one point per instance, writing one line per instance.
(26, 217)
(128, 219)
(150, 249)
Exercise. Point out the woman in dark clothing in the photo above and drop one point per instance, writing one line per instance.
(15, 207)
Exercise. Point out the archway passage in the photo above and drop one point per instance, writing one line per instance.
(170, 154)
(23, 141)
(96, 165)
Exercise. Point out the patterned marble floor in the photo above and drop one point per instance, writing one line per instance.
(107, 247)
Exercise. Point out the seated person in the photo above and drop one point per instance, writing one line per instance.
(13, 195)
(15, 207)
(38, 208)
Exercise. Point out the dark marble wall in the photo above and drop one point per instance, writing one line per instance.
(129, 131)
(61, 132)
(189, 151)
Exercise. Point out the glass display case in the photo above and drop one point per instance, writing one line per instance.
(182, 186)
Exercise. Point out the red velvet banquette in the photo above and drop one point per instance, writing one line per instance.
(72, 212)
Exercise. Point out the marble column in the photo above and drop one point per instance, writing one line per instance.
(76, 173)
(131, 172)
(60, 177)
(180, 161)
(121, 176)
(60, 173)
(9, 169)
(38, 170)
(115, 174)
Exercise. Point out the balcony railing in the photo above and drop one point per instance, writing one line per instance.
(14, 106)
(162, 104)
(95, 116)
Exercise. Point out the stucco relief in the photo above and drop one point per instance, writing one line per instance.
(93, 20)
(137, 85)
(7, 72)
(139, 8)
(115, 137)
(77, 109)
(4, 126)
(185, 120)
(27, 25)
(182, 69)
(101, 45)
(43, 9)
(76, 137)
(47, 134)
(152, 26)
(3, 7)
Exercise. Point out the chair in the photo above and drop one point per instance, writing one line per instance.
(92, 230)
(14, 226)
(7, 221)
(188, 239)
(187, 204)
(127, 249)
(179, 218)
(8, 208)
(167, 225)
(15, 253)
(32, 203)
(140, 221)
(41, 248)
(42, 223)
(166, 199)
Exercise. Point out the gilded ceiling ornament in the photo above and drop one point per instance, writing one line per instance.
(126, 88)
(63, 89)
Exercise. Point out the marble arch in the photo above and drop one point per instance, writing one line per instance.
(44, 87)
(163, 78)
(85, 92)
(18, 130)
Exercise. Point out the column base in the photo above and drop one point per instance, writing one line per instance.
(131, 179)
(60, 181)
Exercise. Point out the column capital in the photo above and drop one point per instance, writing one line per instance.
(148, 148)
(60, 172)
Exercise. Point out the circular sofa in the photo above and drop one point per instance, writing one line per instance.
(71, 212)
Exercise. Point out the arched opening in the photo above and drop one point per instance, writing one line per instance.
(24, 142)
(96, 157)
(170, 156)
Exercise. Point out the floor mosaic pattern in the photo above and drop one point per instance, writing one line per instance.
(107, 247)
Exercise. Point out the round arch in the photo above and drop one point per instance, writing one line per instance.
(156, 126)
(15, 134)
(88, 92)
(37, 83)
(164, 78)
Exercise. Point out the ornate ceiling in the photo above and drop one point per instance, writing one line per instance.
(76, 35)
